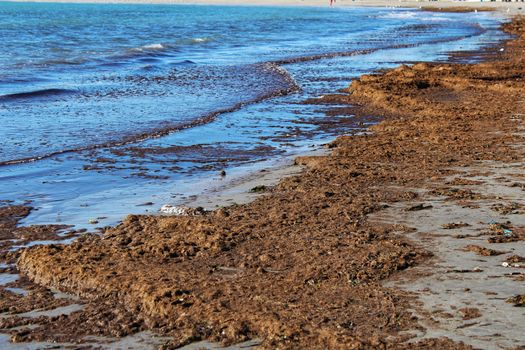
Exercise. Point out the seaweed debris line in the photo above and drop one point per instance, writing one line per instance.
(305, 265)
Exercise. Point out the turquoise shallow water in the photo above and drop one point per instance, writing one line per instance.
(103, 107)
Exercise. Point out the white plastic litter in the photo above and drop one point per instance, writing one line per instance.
(174, 210)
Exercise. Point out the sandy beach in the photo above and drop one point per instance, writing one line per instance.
(511, 8)
(408, 237)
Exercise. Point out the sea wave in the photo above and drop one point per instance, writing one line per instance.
(149, 47)
(70, 62)
(201, 40)
(476, 30)
(184, 63)
(435, 18)
(398, 15)
(278, 80)
(36, 94)
(287, 82)
(194, 41)
(412, 15)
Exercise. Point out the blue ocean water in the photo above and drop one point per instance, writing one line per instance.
(104, 107)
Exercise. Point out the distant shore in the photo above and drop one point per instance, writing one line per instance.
(505, 7)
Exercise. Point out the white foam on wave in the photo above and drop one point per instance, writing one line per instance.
(153, 47)
(398, 15)
(200, 40)
(435, 18)
(149, 47)
(414, 15)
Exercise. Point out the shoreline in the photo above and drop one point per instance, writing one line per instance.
(312, 163)
(106, 218)
(240, 190)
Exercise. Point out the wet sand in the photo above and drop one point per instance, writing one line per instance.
(465, 289)
(370, 246)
